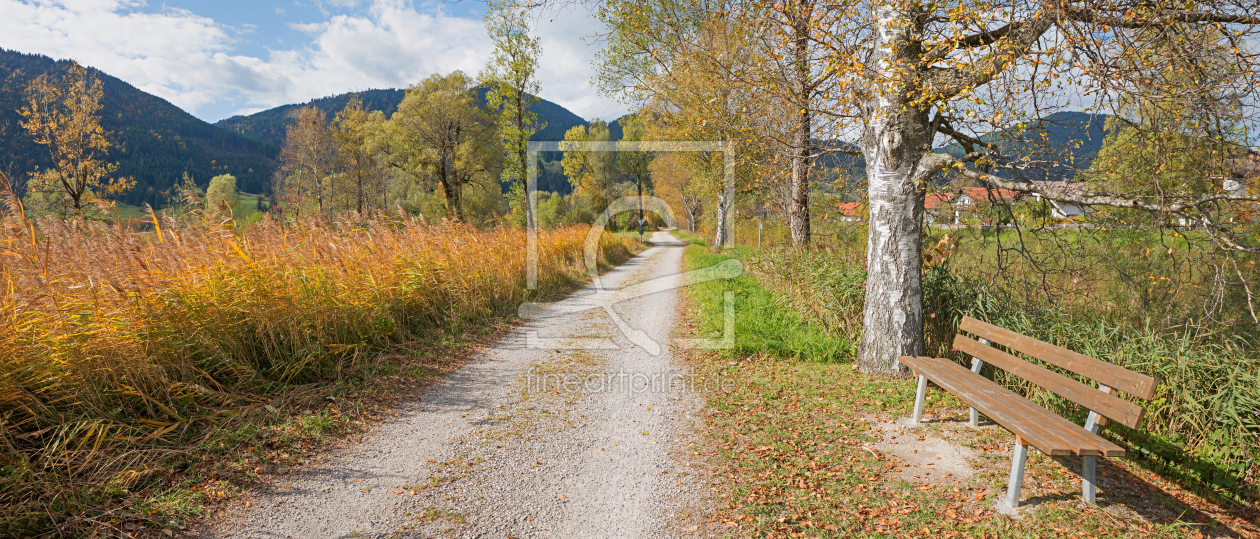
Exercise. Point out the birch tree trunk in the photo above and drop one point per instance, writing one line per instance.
(897, 137)
(722, 237)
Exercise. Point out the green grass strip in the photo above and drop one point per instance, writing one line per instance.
(764, 324)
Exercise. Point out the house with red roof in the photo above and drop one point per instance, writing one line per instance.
(850, 211)
(970, 195)
(940, 206)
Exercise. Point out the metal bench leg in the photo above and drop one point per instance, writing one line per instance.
(1088, 466)
(918, 400)
(1017, 473)
(976, 365)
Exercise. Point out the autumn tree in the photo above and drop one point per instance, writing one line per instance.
(792, 72)
(442, 135)
(512, 82)
(308, 157)
(678, 187)
(774, 51)
(221, 194)
(1170, 135)
(63, 115)
(679, 62)
(361, 181)
(635, 163)
(592, 174)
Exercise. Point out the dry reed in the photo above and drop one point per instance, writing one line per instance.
(117, 348)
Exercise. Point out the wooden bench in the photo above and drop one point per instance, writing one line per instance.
(1032, 424)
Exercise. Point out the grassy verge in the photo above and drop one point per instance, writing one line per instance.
(144, 375)
(763, 323)
(792, 449)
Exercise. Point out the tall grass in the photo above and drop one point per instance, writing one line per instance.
(118, 348)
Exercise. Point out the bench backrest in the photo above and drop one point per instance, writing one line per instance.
(1112, 376)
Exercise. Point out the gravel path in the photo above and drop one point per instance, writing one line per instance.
(536, 437)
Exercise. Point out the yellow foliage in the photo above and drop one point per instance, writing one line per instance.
(64, 117)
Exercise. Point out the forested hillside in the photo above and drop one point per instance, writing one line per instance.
(269, 125)
(152, 140)
(1068, 141)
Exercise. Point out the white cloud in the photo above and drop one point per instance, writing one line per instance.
(566, 72)
(188, 59)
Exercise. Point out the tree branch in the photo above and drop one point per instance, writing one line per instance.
(947, 82)
(1090, 16)
(945, 129)
(1216, 231)
(1093, 199)
(830, 151)
(980, 39)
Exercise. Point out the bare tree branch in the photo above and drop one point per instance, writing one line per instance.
(1090, 16)
(947, 82)
(982, 39)
(1194, 210)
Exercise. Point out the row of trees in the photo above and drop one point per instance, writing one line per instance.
(447, 150)
(436, 147)
(788, 82)
(599, 177)
(437, 154)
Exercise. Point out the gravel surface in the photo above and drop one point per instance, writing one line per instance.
(565, 428)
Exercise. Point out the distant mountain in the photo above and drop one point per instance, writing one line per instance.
(269, 125)
(152, 140)
(1068, 141)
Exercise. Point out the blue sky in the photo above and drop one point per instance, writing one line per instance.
(221, 58)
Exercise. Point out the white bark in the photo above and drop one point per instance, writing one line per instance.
(897, 137)
(722, 237)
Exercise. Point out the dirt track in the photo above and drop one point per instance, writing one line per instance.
(539, 436)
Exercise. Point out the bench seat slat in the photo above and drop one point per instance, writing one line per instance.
(1115, 376)
(1048, 432)
(1110, 406)
(1018, 414)
(993, 403)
